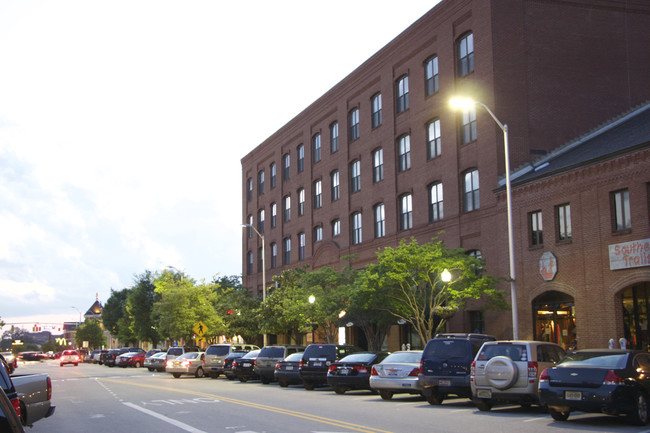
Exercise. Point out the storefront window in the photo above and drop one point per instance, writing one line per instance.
(635, 316)
(555, 319)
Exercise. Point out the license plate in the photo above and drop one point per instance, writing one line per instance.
(246, 364)
(573, 395)
(344, 371)
(406, 385)
(318, 364)
(444, 382)
(484, 393)
(289, 367)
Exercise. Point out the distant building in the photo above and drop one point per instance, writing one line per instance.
(95, 310)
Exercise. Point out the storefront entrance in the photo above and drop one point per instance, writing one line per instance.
(554, 319)
(635, 315)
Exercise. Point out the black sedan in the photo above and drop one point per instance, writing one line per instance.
(353, 371)
(286, 371)
(227, 364)
(615, 382)
(243, 368)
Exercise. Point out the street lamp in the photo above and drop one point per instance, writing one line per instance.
(311, 300)
(79, 314)
(466, 103)
(263, 268)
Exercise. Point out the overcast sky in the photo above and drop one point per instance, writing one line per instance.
(122, 126)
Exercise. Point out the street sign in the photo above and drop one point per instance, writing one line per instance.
(200, 329)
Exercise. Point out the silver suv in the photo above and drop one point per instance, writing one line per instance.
(508, 371)
(216, 353)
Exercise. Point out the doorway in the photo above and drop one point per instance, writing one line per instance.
(554, 319)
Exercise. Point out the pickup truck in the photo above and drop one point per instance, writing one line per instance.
(30, 394)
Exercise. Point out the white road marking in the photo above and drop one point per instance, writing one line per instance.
(171, 421)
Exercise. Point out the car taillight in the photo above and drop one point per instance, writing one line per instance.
(415, 372)
(49, 388)
(170, 363)
(234, 364)
(373, 372)
(16, 404)
(532, 371)
(332, 368)
(185, 363)
(255, 362)
(361, 369)
(472, 371)
(300, 364)
(611, 378)
(543, 378)
(278, 366)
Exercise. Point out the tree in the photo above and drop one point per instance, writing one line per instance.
(238, 309)
(285, 308)
(139, 306)
(114, 310)
(408, 277)
(91, 332)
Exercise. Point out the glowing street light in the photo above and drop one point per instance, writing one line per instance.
(464, 104)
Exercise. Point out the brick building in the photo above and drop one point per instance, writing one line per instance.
(381, 157)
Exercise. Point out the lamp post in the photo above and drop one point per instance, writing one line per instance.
(79, 314)
(465, 103)
(311, 300)
(263, 269)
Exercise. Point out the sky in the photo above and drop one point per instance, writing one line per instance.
(123, 123)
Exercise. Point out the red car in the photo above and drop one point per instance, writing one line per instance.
(131, 359)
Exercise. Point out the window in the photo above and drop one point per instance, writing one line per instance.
(406, 212)
(435, 202)
(249, 189)
(249, 262)
(355, 175)
(470, 191)
(273, 174)
(260, 183)
(318, 189)
(335, 185)
(334, 137)
(260, 260)
(380, 221)
(336, 227)
(260, 220)
(536, 232)
(468, 126)
(353, 118)
(378, 165)
(318, 233)
(287, 208)
(301, 202)
(301, 246)
(356, 228)
(301, 158)
(287, 251)
(476, 322)
(402, 94)
(431, 76)
(563, 218)
(250, 226)
(465, 49)
(433, 139)
(404, 153)
(274, 214)
(621, 210)
(274, 255)
(286, 165)
(376, 110)
(315, 144)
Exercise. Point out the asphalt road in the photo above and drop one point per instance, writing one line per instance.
(98, 399)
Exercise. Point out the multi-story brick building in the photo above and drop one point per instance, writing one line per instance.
(381, 157)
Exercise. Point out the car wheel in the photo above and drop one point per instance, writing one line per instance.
(150, 369)
(137, 364)
(559, 415)
(283, 383)
(61, 365)
(230, 377)
(176, 375)
(339, 390)
(484, 405)
(76, 364)
(640, 414)
(386, 395)
(309, 386)
(265, 380)
(199, 373)
(243, 379)
(435, 398)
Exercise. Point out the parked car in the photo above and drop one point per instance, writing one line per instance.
(8, 387)
(243, 368)
(268, 358)
(97, 357)
(317, 359)
(599, 381)
(286, 371)
(508, 371)
(215, 355)
(188, 363)
(110, 357)
(227, 364)
(353, 371)
(9, 419)
(89, 357)
(130, 359)
(156, 362)
(10, 359)
(30, 394)
(445, 365)
(176, 351)
(69, 357)
(396, 374)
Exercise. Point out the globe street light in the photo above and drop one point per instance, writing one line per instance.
(466, 103)
(311, 300)
(250, 226)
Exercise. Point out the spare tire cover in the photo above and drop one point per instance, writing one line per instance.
(501, 372)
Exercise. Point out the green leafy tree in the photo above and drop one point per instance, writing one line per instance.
(114, 310)
(238, 309)
(51, 346)
(409, 279)
(139, 306)
(91, 332)
(286, 309)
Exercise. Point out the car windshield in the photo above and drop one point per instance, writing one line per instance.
(252, 354)
(294, 357)
(218, 350)
(272, 352)
(159, 355)
(359, 357)
(516, 352)
(595, 359)
(447, 348)
(189, 355)
(316, 351)
(175, 351)
(69, 352)
(404, 357)
(234, 355)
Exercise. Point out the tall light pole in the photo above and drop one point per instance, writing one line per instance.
(263, 269)
(79, 314)
(466, 103)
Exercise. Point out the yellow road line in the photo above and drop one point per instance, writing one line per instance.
(306, 416)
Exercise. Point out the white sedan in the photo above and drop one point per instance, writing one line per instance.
(397, 373)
